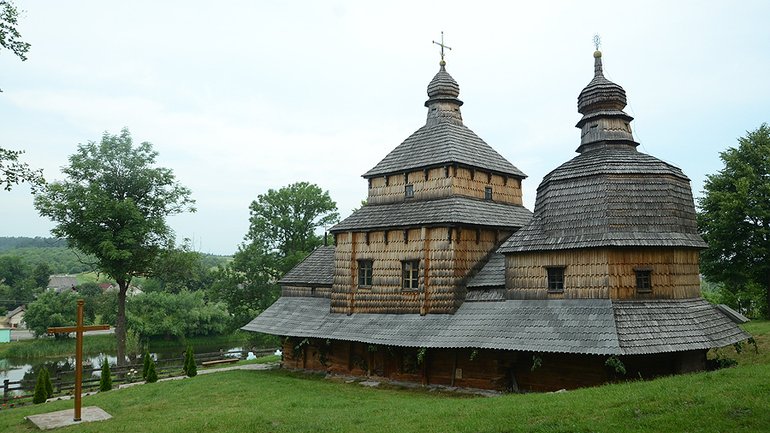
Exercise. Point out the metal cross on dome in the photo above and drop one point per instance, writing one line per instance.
(441, 44)
(597, 41)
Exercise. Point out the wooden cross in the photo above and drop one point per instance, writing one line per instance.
(441, 44)
(78, 330)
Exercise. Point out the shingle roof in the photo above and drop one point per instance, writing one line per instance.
(444, 140)
(443, 143)
(317, 269)
(585, 326)
(673, 325)
(62, 281)
(451, 210)
(492, 274)
(610, 196)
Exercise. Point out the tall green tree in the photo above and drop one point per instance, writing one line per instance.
(734, 217)
(282, 231)
(176, 269)
(51, 309)
(113, 205)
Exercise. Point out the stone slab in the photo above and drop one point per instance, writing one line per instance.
(63, 418)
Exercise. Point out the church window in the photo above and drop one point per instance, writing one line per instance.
(409, 191)
(488, 193)
(643, 280)
(410, 274)
(364, 273)
(555, 279)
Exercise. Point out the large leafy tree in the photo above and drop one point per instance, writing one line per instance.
(51, 309)
(282, 231)
(734, 217)
(113, 205)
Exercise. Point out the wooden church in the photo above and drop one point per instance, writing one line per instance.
(443, 277)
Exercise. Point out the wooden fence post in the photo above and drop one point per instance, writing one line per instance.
(5, 390)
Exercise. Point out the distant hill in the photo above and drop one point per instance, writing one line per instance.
(63, 260)
(9, 243)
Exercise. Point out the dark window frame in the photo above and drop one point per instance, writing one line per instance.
(643, 280)
(555, 279)
(365, 272)
(409, 190)
(410, 274)
(487, 193)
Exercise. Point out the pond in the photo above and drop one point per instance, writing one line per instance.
(28, 369)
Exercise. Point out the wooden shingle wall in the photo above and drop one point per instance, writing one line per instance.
(585, 274)
(674, 273)
(444, 264)
(462, 181)
(604, 273)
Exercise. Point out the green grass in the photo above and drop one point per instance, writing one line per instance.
(728, 400)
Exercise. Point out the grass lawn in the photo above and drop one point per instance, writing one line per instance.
(729, 400)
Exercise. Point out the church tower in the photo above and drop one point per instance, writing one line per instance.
(610, 223)
(438, 204)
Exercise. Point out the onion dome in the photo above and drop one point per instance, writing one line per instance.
(443, 86)
(601, 103)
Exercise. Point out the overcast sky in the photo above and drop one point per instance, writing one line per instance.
(241, 97)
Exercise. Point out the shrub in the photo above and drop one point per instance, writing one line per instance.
(190, 369)
(105, 381)
(152, 375)
(47, 383)
(41, 394)
(145, 364)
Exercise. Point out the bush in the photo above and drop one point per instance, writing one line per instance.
(145, 364)
(190, 369)
(105, 380)
(185, 314)
(41, 387)
(152, 375)
(47, 383)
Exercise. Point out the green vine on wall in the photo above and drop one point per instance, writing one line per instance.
(421, 355)
(536, 362)
(616, 364)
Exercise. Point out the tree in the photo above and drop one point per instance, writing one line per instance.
(282, 232)
(176, 269)
(14, 172)
(51, 309)
(41, 393)
(185, 314)
(734, 217)
(113, 206)
(146, 359)
(10, 38)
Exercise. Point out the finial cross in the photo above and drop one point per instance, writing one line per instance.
(441, 44)
(597, 41)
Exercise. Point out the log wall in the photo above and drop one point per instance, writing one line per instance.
(604, 273)
(444, 182)
(447, 255)
(501, 370)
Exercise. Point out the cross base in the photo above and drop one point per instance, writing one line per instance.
(63, 418)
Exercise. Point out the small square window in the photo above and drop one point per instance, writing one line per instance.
(555, 279)
(364, 273)
(410, 274)
(409, 191)
(644, 281)
(488, 193)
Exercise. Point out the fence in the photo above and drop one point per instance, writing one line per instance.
(64, 382)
